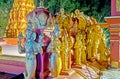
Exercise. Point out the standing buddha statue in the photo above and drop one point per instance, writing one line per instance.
(78, 48)
(71, 42)
(64, 49)
(96, 40)
(83, 48)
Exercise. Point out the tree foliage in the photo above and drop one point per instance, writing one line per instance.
(5, 6)
(96, 8)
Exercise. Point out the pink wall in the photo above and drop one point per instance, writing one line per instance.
(113, 8)
(114, 49)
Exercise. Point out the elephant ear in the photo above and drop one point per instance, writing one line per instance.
(38, 11)
(30, 16)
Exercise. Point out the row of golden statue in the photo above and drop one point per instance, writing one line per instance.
(81, 39)
(76, 39)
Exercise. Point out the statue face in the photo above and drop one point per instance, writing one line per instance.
(77, 12)
(57, 34)
(43, 19)
(62, 11)
(56, 31)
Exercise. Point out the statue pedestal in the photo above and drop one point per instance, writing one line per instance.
(67, 72)
(13, 41)
(114, 22)
(77, 66)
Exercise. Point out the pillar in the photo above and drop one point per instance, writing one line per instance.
(114, 22)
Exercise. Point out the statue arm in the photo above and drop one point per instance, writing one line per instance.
(20, 48)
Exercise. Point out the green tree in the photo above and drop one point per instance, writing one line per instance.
(96, 8)
(54, 5)
(5, 6)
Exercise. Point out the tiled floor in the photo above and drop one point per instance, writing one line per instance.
(111, 74)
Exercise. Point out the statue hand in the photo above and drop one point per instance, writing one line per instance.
(20, 36)
(21, 49)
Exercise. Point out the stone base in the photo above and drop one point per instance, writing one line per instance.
(67, 72)
(12, 66)
(115, 64)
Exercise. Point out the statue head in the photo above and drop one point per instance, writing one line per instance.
(77, 12)
(41, 4)
(62, 11)
(43, 19)
(56, 31)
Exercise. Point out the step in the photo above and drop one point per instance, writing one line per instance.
(12, 66)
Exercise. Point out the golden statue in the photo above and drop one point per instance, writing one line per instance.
(94, 32)
(51, 21)
(103, 50)
(71, 15)
(83, 48)
(97, 31)
(89, 42)
(62, 13)
(64, 49)
(74, 28)
(66, 23)
(60, 17)
(78, 48)
(71, 42)
(82, 19)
